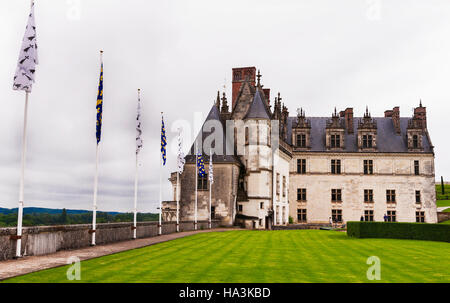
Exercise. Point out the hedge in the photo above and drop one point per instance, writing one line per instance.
(395, 230)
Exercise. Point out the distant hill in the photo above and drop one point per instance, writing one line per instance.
(41, 210)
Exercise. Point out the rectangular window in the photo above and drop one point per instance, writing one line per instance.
(301, 194)
(335, 167)
(335, 141)
(367, 141)
(415, 141)
(336, 195)
(420, 216)
(390, 196)
(368, 167)
(368, 195)
(368, 215)
(213, 212)
(202, 182)
(391, 216)
(418, 200)
(278, 184)
(416, 168)
(240, 207)
(301, 166)
(284, 186)
(301, 140)
(301, 215)
(336, 215)
(261, 205)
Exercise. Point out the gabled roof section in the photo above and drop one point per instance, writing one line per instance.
(214, 114)
(257, 110)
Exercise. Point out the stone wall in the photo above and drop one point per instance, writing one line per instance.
(443, 217)
(390, 171)
(41, 240)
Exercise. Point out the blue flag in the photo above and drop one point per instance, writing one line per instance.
(100, 106)
(163, 141)
(200, 165)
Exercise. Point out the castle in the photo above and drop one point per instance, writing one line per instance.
(306, 169)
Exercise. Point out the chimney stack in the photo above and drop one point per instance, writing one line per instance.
(267, 94)
(420, 113)
(396, 119)
(240, 75)
(348, 117)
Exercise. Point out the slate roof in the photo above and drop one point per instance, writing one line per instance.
(214, 115)
(388, 141)
(258, 109)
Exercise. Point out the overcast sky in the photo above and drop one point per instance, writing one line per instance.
(318, 54)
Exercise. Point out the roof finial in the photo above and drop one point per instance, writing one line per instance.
(218, 100)
(259, 78)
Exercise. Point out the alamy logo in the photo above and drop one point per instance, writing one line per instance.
(74, 271)
(374, 271)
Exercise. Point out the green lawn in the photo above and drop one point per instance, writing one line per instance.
(445, 222)
(265, 256)
(441, 203)
(439, 194)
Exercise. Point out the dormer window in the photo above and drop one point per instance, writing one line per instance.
(367, 141)
(301, 131)
(367, 133)
(415, 141)
(335, 141)
(301, 140)
(335, 130)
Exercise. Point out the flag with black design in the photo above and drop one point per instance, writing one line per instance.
(180, 158)
(211, 169)
(138, 127)
(28, 58)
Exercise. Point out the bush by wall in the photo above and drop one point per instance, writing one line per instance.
(396, 230)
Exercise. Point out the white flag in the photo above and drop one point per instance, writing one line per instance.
(28, 58)
(180, 159)
(138, 127)
(211, 170)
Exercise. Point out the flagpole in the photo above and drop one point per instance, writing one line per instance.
(135, 199)
(94, 207)
(22, 180)
(196, 186)
(178, 201)
(136, 181)
(210, 188)
(160, 189)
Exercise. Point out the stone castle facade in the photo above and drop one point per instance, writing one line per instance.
(307, 169)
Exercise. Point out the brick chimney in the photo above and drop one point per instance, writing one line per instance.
(396, 119)
(348, 117)
(240, 75)
(267, 94)
(420, 113)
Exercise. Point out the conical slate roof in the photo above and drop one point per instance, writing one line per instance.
(214, 114)
(257, 109)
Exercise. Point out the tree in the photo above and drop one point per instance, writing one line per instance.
(63, 217)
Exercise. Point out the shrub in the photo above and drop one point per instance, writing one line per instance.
(291, 220)
(394, 230)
